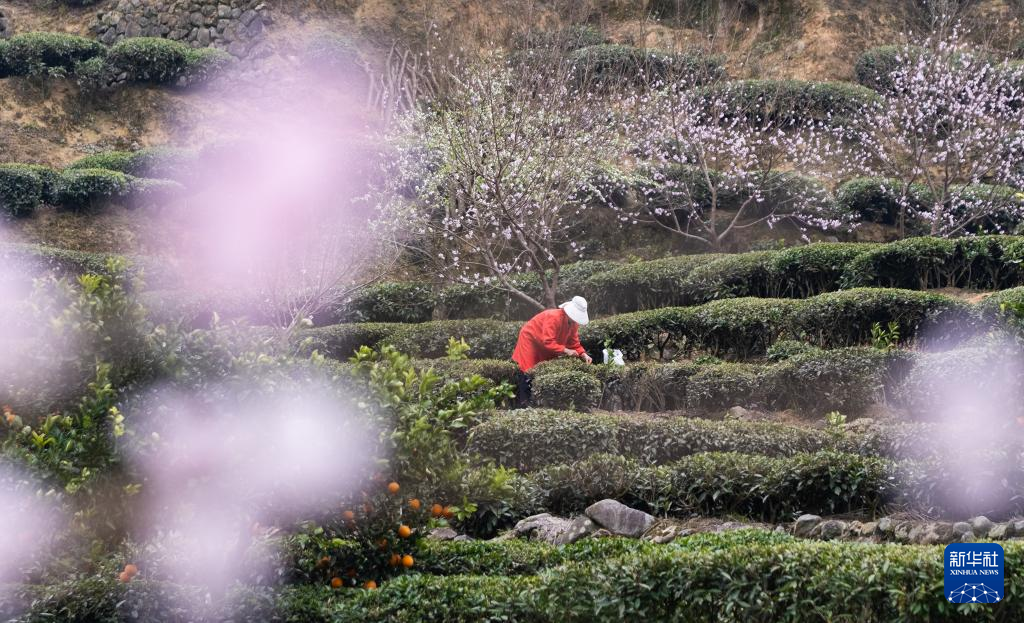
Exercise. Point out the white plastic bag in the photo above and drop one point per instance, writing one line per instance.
(614, 357)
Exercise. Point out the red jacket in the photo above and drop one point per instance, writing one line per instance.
(544, 337)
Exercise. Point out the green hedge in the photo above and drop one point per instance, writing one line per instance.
(767, 577)
(530, 439)
(34, 53)
(875, 66)
(943, 385)
(734, 328)
(614, 65)
(877, 200)
(769, 488)
(533, 438)
(781, 488)
(567, 389)
(644, 285)
(21, 190)
(980, 262)
(813, 383)
(152, 162)
(82, 189)
(777, 582)
(796, 101)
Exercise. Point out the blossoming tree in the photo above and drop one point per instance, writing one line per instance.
(716, 168)
(501, 179)
(950, 134)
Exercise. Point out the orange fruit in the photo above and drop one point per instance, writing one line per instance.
(351, 573)
(335, 582)
(414, 504)
(404, 531)
(393, 487)
(447, 512)
(395, 560)
(323, 562)
(436, 510)
(383, 543)
(348, 516)
(131, 570)
(407, 561)
(124, 577)
(370, 585)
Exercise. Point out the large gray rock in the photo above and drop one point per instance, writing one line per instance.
(962, 527)
(543, 527)
(578, 528)
(1000, 532)
(619, 519)
(869, 528)
(805, 524)
(442, 534)
(980, 525)
(831, 529)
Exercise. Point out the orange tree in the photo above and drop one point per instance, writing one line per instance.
(419, 416)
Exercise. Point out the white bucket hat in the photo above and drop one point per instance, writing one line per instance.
(577, 310)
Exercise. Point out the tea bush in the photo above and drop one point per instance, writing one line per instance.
(795, 101)
(614, 65)
(644, 285)
(982, 262)
(535, 438)
(21, 190)
(83, 189)
(769, 488)
(767, 581)
(875, 66)
(733, 328)
(567, 390)
(43, 53)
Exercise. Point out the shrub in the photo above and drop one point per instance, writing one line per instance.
(163, 61)
(767, 581)
(497, 370)
(773, 489)
(644, 285)
(36, 53)
(149, 59)
(813, 269)
(458, 599)
(817, 382)
(21, 190)
(872, 199)
(947, 384)
(79, 189)
(570, 38)
(874, 67)
(490, 339)
(532, 439)
(567, 390)
(204, 64)
(796, 101)
(341, 341)
(989, 262)
(152, 162)
(615, 65)
(388, 302)
(732, 276)
(845, 318)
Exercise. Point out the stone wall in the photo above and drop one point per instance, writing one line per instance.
(233, 25)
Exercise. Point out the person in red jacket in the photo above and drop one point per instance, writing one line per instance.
(550, 334)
